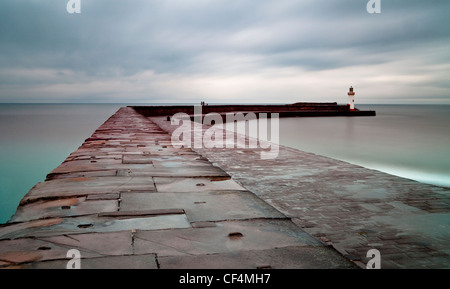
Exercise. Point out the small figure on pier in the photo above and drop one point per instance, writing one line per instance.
(351, 98)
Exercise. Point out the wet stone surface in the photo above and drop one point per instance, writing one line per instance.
(127, 198)
(351, 208)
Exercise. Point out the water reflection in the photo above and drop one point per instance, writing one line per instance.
(409, 141)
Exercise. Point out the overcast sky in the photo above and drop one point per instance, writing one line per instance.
(224, 51)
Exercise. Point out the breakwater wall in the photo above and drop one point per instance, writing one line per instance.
(127, 198)
(285, 110)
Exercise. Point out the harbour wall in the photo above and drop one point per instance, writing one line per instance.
(286, 110)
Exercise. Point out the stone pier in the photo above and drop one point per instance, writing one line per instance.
(128, 199)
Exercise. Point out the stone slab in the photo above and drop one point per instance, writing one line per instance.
(277, 258)
(101, 173)
(108, 262)
(203, 206)
(97, 244)
(86, 186)
(181, 185)
(91, 224)
(107, 196)
(128, 214)
(224, 237)
(67, 207)
(137, 159)
(137, 169)
(30, 250)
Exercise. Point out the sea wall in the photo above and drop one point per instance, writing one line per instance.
(286, 110)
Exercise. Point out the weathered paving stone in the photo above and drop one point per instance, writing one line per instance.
(223, 237)
(110, 196)
(67, 207)
(137, 159)
(108, 262)
(77, 168)
(157, 212)
(203, 206)
(181, 163)
(26, 250)
(91, 224)
(192, 171)
(86, 186)
(97, 244)
(303, 257)
(102, 173)
(180, 185)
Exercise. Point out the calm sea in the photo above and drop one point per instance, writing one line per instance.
(411, 141)
(406, 140)
(35, 139)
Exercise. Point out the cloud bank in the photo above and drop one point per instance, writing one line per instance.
(224, 51)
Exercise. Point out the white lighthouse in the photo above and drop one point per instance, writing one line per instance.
(351, 99)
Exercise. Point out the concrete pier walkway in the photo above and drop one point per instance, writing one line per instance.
(128, 199)
(351, 208)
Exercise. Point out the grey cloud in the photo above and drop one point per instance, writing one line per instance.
(112, 38)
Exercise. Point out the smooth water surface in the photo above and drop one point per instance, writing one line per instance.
(35, 139)
(411, 141)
